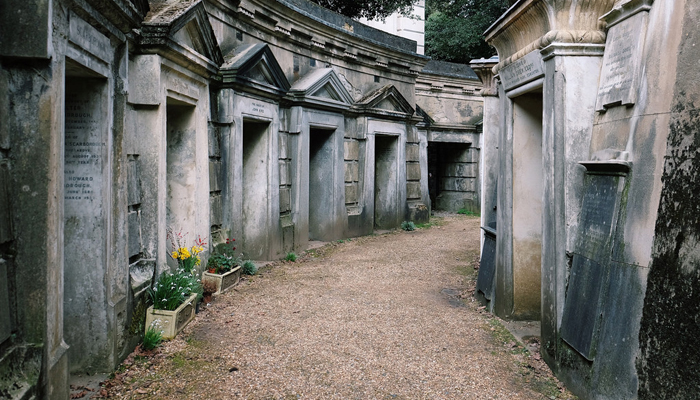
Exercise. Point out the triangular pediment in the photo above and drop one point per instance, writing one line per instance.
(181, 27)
(254, 68)
(321, 88)
(387, 100)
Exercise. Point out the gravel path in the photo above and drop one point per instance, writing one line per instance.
(379, 317)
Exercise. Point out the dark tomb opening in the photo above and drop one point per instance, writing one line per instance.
(321, 168)
(452, 176)
(256, 192)
(386, 190)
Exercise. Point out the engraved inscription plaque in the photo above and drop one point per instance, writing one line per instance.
(590, 267)
(524, 70)
(621, 62)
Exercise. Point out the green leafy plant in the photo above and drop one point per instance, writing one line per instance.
(224, 259)
(408, 226)
(172, 289)
(153, 337)
(291, 257)
(249, 268)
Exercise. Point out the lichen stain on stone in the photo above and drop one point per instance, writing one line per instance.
(669, 362)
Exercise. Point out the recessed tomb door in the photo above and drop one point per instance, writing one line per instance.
(321, 185)
(386, 189)
(181, 169)
(527, 205)
(256, 189)
(85, 227)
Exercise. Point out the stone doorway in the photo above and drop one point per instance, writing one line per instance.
(528, 190)
(85, 234)
(321, 184)
(386, 191)
(256, 193)
(452, 177)
(181, 169)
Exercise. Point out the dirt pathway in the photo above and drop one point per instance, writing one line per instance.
(381, 317)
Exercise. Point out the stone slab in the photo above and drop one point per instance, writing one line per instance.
(458, 184)
(487, 265)
(5, 323)
(413, 152)
(461, 170)
(285, 173)
(215, 176)
(620, 73)
(586, 293)
(413, 190)
(352, 171)
(28, 35)
(214, 142)
(144, 80)
(133, 184)
(5, 216)
(351, 193)
(351, 150)
(134, 219)
(284, 145)
(215, 210)
(285, 200)
(413, 171)
(522, 71)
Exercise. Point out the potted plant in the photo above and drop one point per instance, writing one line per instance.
(223, 267)
(174, 295)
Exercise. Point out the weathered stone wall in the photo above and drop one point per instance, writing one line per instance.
(668, 360)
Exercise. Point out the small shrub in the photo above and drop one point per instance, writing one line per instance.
(249, 268)
(153, 336)
(408, 226)
(291, 257)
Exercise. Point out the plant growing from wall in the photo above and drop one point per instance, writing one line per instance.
(291, 257)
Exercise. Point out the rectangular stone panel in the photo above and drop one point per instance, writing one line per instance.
(351, 193)
(413, 190)
(586, 292)
(284, 173)
(133, 184)
(523, 70)
(215, 210)
(487, 265)
(134, 219)
(5, 322)
(285, 200)
(215, 176)
(413, 171)
(461, 170)
(412, 152)
(412, 135)
(352, 171)
(214, 142)
(284, 145)
(458, 184)
(5, 216)
(621, 62)
(351, 149)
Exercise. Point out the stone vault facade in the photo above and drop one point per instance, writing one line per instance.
(272, 122)
(589, 189)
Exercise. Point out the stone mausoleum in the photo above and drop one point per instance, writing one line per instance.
(590, 189)
(272, 122)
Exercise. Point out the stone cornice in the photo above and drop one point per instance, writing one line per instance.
(278, 20)
(535, 24)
